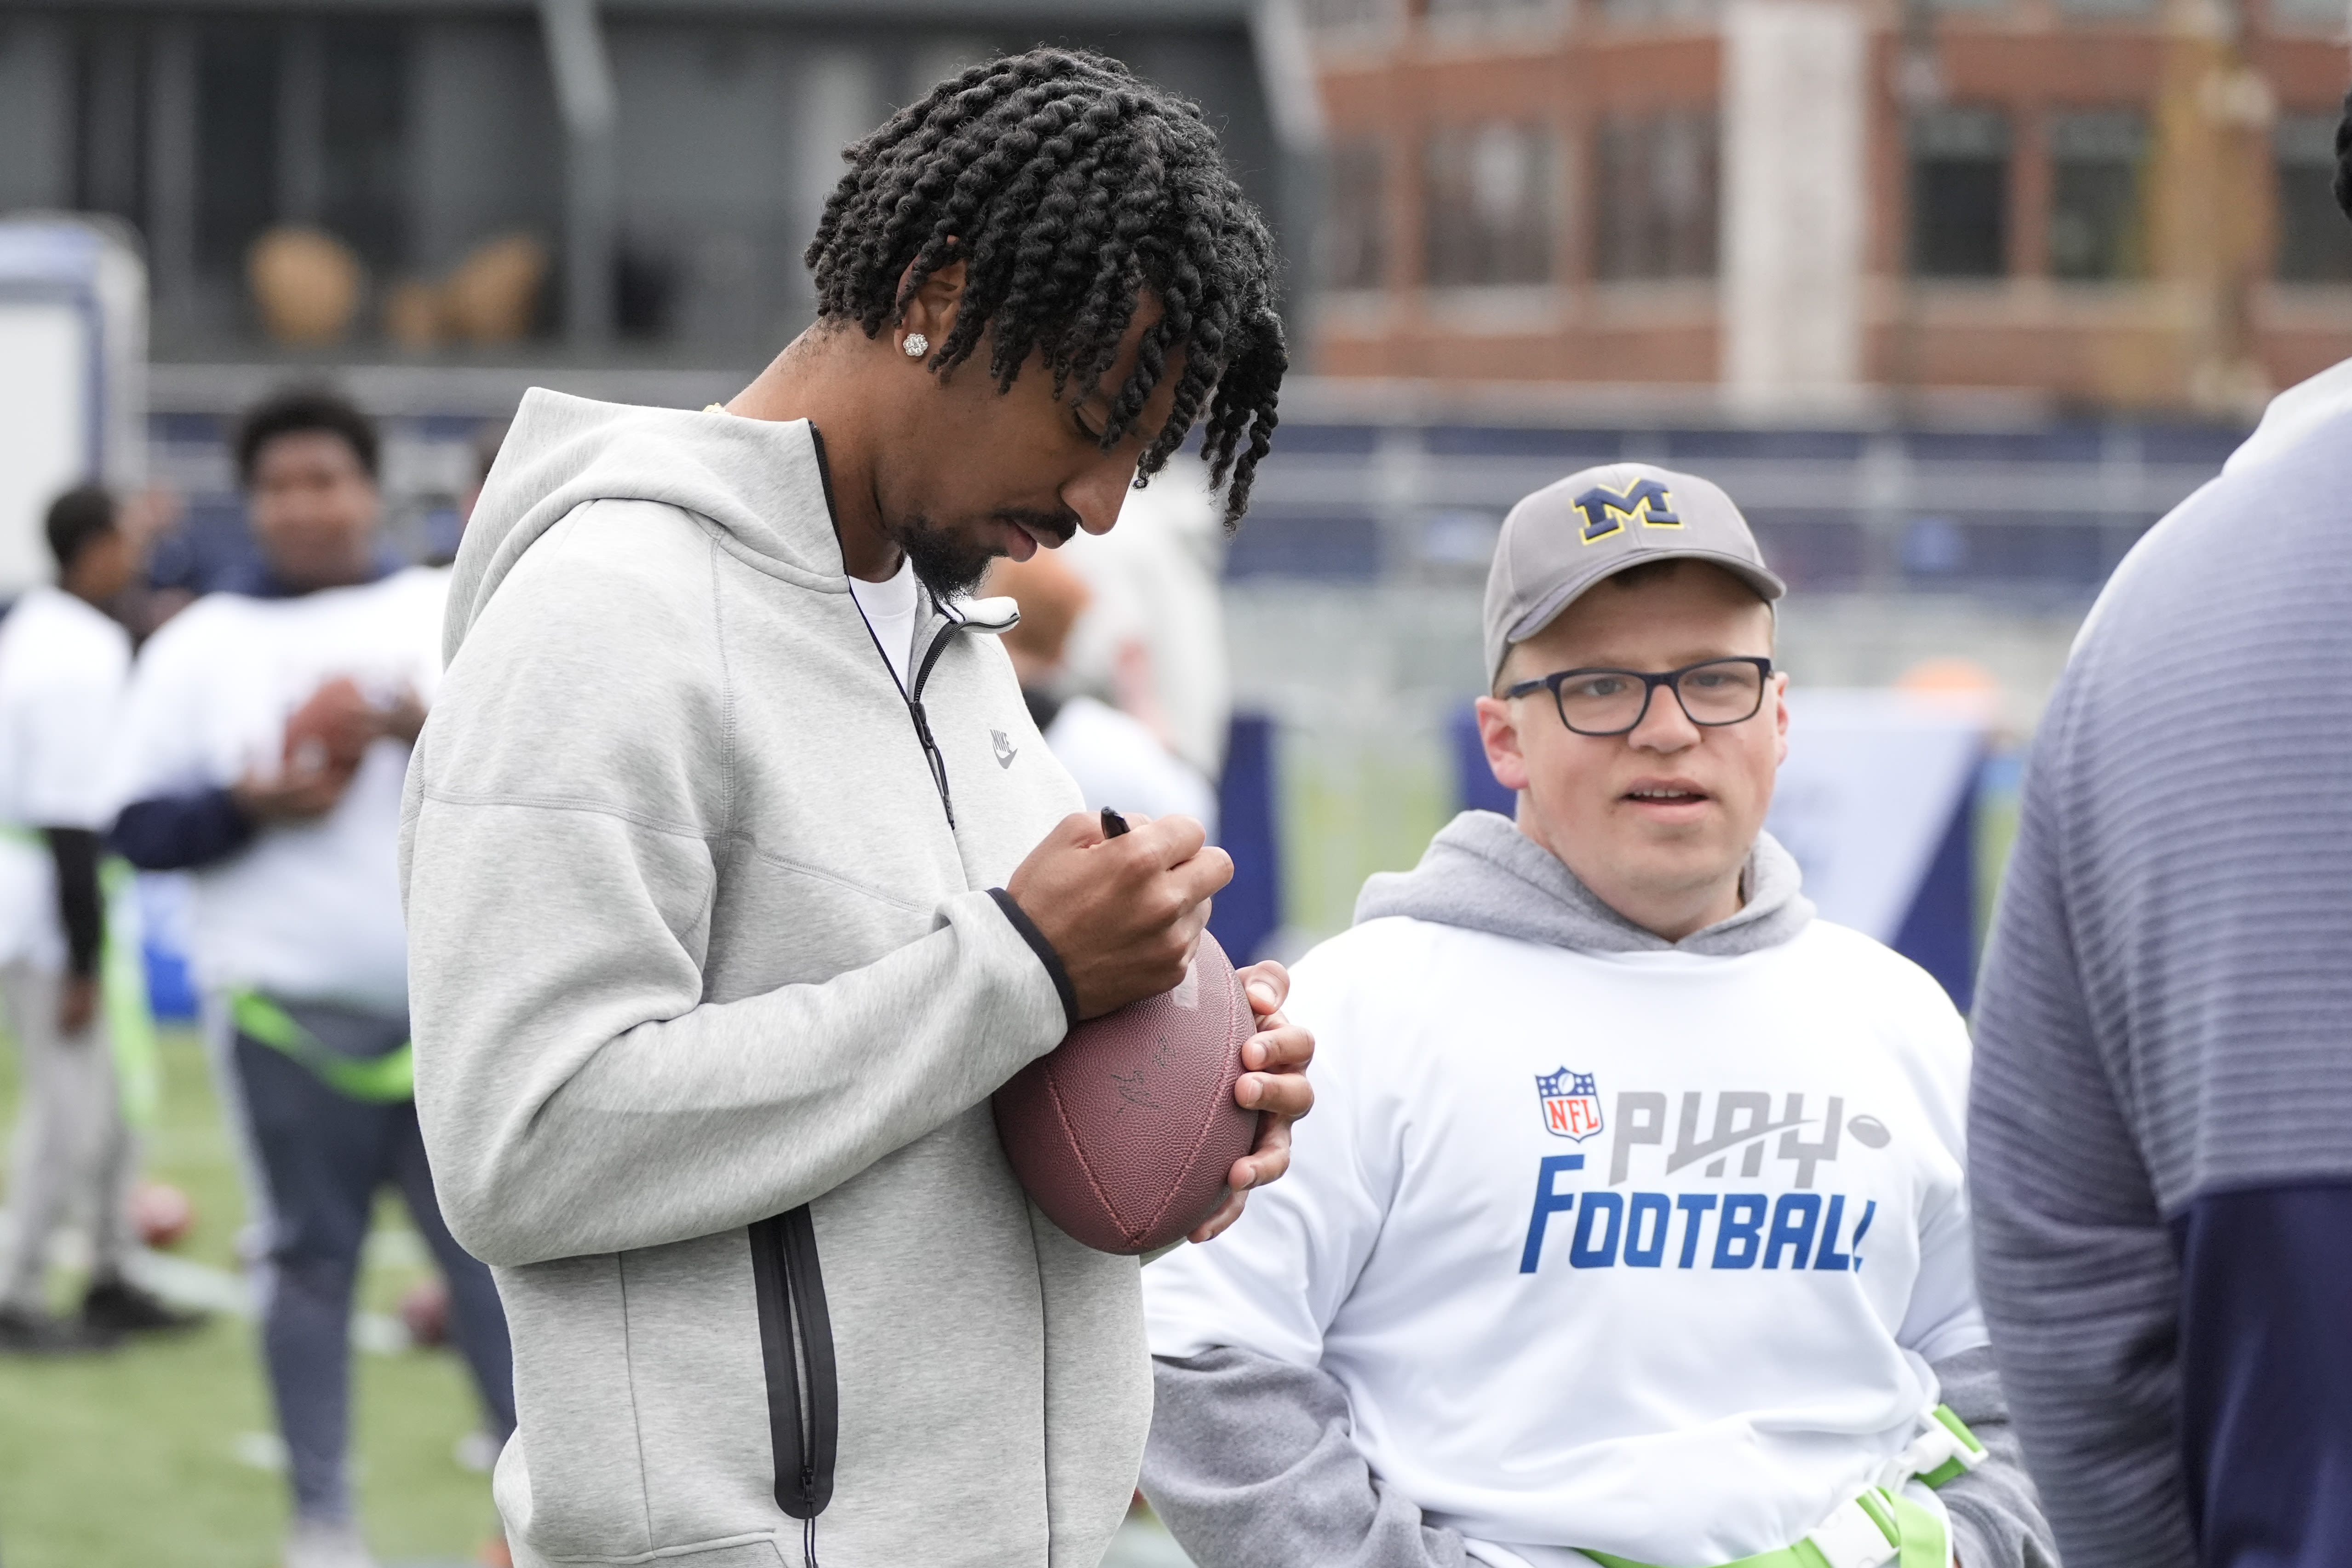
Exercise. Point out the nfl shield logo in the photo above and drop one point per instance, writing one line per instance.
(1572, 1107)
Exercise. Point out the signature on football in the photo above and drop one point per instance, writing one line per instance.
(1134, 1089)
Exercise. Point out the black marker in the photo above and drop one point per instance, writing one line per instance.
(1113, 823)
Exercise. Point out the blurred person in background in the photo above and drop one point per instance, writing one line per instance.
(1117, 759)
(266, 736)
(489, 440)
(1569, 1268)
(1152, 643)
(2159, 1133)
(64, 663)
(490, 436)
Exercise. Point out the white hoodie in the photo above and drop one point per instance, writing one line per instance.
(308, 910)
(1642, 1251)
(62, 668)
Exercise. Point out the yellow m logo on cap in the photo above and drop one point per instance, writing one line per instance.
(1606, 512)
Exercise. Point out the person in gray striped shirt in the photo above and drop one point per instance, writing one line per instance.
(2160, 1134)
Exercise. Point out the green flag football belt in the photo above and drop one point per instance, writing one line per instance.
(1881, 1527)
(386, 1079)
(123, 992)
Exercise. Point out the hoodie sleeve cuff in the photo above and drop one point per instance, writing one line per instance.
(1044, 950)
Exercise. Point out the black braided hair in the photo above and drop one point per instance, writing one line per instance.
(2344, 158)
(1067, 185)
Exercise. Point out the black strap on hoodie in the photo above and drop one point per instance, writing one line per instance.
(796, 1345)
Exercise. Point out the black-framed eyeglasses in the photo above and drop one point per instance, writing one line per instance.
(1613, 701)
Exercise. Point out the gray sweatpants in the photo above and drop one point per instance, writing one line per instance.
(323, 1158)
(72, 1150)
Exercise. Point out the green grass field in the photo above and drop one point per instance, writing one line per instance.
(148, 1456)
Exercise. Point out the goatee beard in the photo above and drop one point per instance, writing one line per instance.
(945, 564)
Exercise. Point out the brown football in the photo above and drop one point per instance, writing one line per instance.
(1124, 1133)
(162, 1213)
(330, 731)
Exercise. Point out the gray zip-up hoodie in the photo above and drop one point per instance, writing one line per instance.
(1251, 1458)
(701, 933)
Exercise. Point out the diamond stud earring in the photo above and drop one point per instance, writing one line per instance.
(917, 345)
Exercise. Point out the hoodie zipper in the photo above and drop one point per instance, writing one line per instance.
(795, 1326)
(796, 1348)
(923, 722)
(913, 697)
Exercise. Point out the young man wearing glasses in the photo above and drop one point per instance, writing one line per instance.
(1631, 1229)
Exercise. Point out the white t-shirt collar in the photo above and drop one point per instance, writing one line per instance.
(888, 607)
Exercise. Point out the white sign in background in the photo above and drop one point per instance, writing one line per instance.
(73, 375)
(1868, 792)
(45, 406)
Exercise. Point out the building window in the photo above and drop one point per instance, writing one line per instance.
(1355, 219)
(2314, 242)
(2095, 162)
(1654, 212)
(108, 175)
(236, 141)
(1488, 204)
(2323, 16)
(1442, 12)
(1351, 15)
(362, 121)
(1660, 12)
(1960, 193)
(302, 124)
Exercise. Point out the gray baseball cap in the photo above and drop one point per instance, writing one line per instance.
(1597, 522)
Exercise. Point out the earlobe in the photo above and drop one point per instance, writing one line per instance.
(1500, 736)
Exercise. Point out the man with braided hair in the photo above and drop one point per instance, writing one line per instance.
(739, 878)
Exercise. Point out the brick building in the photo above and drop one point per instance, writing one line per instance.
(2116, 204)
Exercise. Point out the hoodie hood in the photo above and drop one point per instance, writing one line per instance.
(761, 484)
(1482, 873)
